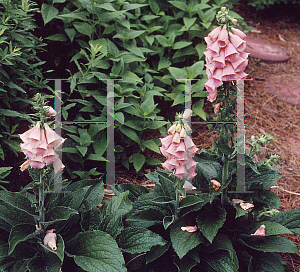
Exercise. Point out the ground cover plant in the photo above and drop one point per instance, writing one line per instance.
(205, 223)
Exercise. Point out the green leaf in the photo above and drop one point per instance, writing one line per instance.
(265, 262)
(188, 22)
(220, 261)
(180, 45)
(153, 161)
(84, 28)
(151, 144)
(209, 220)
(48, 13)
(156, 251)
(120, 201)
(20, 233)
(183, 241)
(198, 109)
(154, 6)
(149, 215)
(270, 244)
(135, 190)
(59, 213)
(96, 251)
(96, 157)
(265, 179)
(57, 37)
(119, 116)
(130, 133)
(289, 219)
(164, 63)
(201, 48)
(138, 161)
(82, 149)
(111, 223)
(179, 4)
(177, 73)
(131, 76)
(138, 240)
(268, 198)
(190, 200)
(49, 262)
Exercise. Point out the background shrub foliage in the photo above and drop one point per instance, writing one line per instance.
(148, 44)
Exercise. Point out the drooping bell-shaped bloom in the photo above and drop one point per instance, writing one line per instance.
(51, 111)
(261, 231)
(216, 185)
(50, 239)
(189, 228)
(39, 146)
(179, 149)
(246, 206)
(237, 201)
(225, 59)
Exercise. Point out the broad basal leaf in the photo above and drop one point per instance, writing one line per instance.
(209, 220)
(270, 244)
(96, 251)
(138, 240)
(183, 241)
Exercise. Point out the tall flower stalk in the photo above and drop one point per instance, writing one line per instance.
(179, 150)
(39, 145)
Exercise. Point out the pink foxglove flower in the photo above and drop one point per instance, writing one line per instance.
(39, 146)
(237, 201)
(51, 112)
(225, 59)
(260, 231)
(216, 108)
(189, 228)
(50, 239)
(179, 149)
(246, 206)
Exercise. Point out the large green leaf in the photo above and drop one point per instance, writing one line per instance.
(221, 261)
(138, 240)
(118, 202)
(112, 223)
(20, 233)
(183, 241)
(210, 219)
(270, 244)
(48, 262)
(266, 262)
(272, 228)
(265, 179)
(84, 28)
(289, 219)
(96, 251)
(138, 161)
(48, 13)
(135, 190)
(59, 213)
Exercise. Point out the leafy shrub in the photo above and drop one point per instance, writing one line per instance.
(20, 70)
(145, 43)
(260, 5)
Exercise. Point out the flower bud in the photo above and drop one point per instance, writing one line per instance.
(223, 9)
(246, 206)
(50, 239)
(187, 127)
(216, 184)
(178, 128)
(234, 21)
(187, 114)
(189, 228)
(51, 111)
(172, 129)
(182, 133)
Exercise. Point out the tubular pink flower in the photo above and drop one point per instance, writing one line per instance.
(58, 166)
(24, 165)
(215, 48)
(223, 37)
(216, 108)
(27, 150)
(231, 53)
(212, 96)
(213, 35)
(50, 239)
(237, 201)
(176, 138)
(172, 129)
(35, 136)
(239, 33)
(260, 231)
(228, 72)
(237, 42)
(240, 64)
(246, 206)
(219, 62)
(50, 156)
(51, 112)
(189, 228)
(37, 162)
(42, 147)
(187, 114)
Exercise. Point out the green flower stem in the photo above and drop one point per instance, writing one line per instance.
(224, 177)
(41, 201)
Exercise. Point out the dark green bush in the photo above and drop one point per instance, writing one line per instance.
(20, 72)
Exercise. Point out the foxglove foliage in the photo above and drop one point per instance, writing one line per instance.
(179, 149)
(225, 57)
(39, 146)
